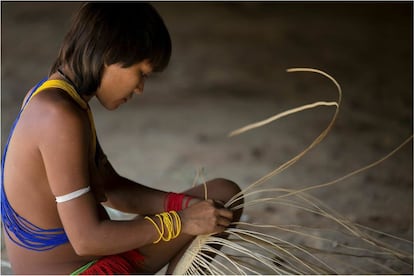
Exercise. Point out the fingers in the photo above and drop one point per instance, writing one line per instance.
(222, 221)
(223, 216)
(217, 203)
(205, 217)
(226, 213)
(222, 224)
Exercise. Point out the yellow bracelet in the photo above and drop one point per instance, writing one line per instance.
(156, 228)
(177, 224)
(169, 219)
(170, 225)
(165, 222)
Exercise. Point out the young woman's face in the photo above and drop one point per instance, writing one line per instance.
(119, 84)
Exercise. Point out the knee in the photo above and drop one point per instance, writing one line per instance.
(225, 190)
(226, 187)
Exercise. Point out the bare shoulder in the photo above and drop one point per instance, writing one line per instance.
(53, 116)
(55, 108)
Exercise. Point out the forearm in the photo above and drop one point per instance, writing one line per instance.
(90, 235)
(112, 237)
(128, 196)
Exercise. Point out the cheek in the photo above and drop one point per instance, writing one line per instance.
(106, 102)
(105, 95)
(102, 93)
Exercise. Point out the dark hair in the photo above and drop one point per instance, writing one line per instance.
(107, 33)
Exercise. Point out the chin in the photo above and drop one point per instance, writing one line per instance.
(113, 107)
(109, 105)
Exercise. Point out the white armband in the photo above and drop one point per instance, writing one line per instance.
(73, 195)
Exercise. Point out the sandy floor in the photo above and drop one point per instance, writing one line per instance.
(228, 70)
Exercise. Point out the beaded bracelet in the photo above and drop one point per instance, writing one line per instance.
(174, 201)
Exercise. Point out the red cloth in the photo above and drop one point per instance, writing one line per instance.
(121, 264)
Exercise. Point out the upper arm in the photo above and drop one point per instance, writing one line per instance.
(64, 145)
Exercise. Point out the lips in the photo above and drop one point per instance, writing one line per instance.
(127, 98)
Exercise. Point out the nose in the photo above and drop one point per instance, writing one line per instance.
(139, 89)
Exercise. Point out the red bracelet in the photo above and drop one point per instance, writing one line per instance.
(187, 201)
(173, 202)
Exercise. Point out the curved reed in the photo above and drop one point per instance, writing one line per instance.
(253, 248)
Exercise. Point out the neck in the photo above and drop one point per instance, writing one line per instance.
(67, 76)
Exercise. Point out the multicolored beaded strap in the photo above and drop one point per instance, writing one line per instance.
(21, 231)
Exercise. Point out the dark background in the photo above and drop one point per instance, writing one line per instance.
(228, 70)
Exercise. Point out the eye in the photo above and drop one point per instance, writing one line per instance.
(143, 75)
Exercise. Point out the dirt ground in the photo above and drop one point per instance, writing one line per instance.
(228, 70)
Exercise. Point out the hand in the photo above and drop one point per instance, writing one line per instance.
(205, 217)
(194, 200)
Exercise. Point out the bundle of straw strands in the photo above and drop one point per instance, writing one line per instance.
(252, 248)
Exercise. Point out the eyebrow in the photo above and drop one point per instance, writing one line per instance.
(148, 72)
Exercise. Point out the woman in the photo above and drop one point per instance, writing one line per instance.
(55, 176)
